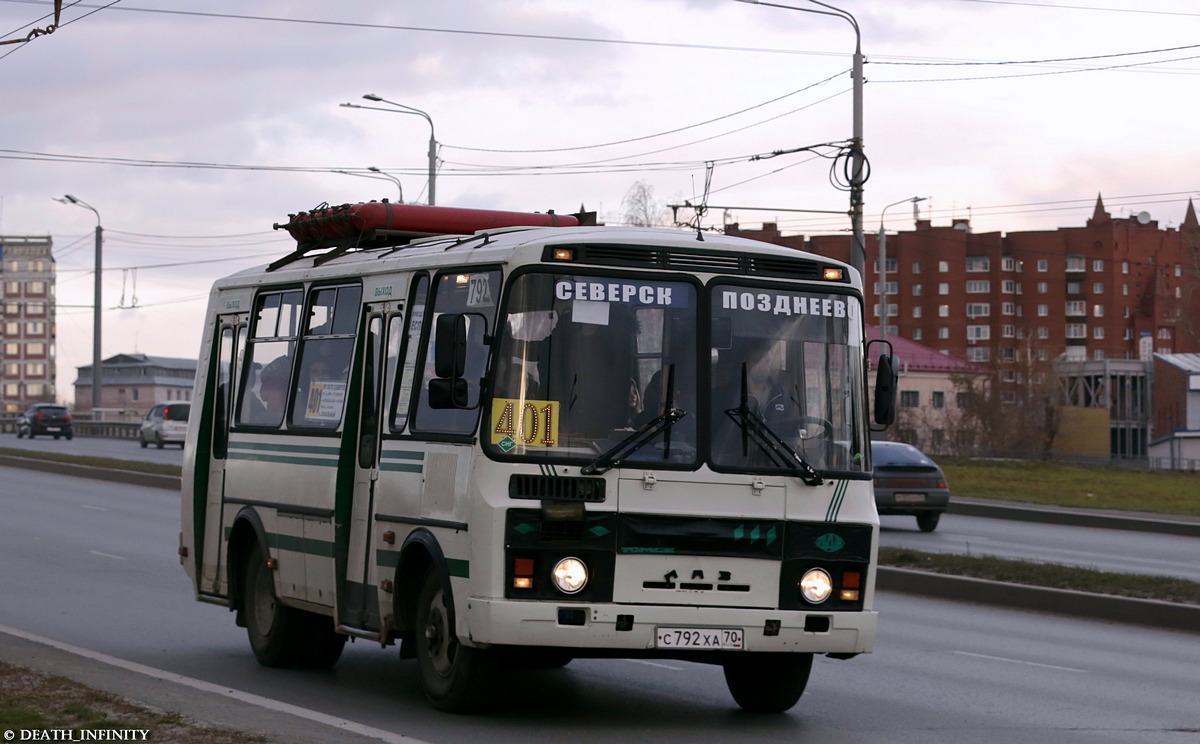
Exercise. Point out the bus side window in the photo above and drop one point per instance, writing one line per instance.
(326, 350)
(474, 295)
(268, 357)
(411, 330)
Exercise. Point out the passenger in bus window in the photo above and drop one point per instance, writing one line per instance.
(266, 409)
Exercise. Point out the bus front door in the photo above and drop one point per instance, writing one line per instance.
(214, 441)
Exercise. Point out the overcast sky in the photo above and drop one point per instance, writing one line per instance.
(1012, 114)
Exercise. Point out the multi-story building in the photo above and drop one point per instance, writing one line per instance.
(1115, 289)
(133, 383)
(27, 368)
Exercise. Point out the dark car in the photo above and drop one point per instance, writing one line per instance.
(45, 418)
(908, 482)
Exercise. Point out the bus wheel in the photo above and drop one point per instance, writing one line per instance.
(276, 631)
(767, 683)
(324, 643)
(454, 677)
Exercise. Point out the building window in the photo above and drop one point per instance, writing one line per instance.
(12, 329)
(12, 350)
(978, 309)
(1098, 288)
(978, 354)
(1043, 265)
(1124, 267)
(943, 311)
(916, 267)
(1098, 333)
(937, 399)
(1008, 263)
(910, 398)
(1076, 263)
(1098, 354)
(1164, 333)
(1076, 307)
(917, 311)
(978, 263)
(943, 288)
(943, 333)
(1043, 311)
(1009, 331)
(1008, 308)
(916, 290)
(1009, 286)
(1125, 289)
(916, 334)
(1076, 330)
(1043, 332)
(1097, 264)
(12, 390)
(979, 286)
(1097, 311)
(1074, 288)
(979, 332)
(943, 266)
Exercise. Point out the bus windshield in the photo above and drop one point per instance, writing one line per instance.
(786, 380)
(586, 361)
(605, 370)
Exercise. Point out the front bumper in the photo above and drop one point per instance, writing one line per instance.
(631, 627)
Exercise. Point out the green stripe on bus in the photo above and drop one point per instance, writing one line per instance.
(306, 545)
(286, 460)
(835, 504)
(305, 449)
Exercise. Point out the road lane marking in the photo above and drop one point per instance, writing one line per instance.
(1018, 661)
(655, 664)
(108, 555)
(197, 684)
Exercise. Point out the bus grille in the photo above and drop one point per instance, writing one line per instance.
(682, 259)
(556, 488)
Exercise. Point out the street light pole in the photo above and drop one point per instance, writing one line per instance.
(883, 294)
(403, 109)
(382, 176)
(96, 307)
(858, 252)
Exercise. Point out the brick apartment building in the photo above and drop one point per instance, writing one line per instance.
(27, 267)
(1091, 305)
(1114, 289)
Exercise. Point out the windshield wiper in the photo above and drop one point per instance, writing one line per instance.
(632, 443)
(755, 427)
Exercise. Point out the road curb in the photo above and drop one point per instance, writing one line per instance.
(132, 477)
(1148, 612)
(1188, 527)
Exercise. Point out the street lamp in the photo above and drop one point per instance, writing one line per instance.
(883, 300)
(381, 176)
(96, 373)
(403, 109)
(858, 251)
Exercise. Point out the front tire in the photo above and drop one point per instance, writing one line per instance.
(276, 631)
(455, 677)
(767, 683)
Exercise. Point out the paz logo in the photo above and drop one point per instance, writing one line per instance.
(830, 543)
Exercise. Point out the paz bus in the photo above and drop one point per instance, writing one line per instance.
(496, 438)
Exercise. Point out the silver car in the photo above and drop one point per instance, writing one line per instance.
(166, 423)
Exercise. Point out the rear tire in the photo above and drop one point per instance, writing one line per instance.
(767, 683)
(928, 522)
(277, 632)
(455, 677)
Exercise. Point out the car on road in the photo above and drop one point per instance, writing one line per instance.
(908, 482)
(45, 418)
(165, 423)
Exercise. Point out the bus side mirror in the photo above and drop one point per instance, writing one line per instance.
(450, 346)
(887, 380)
(448, 393)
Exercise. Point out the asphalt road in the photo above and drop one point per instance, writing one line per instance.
(1119, 551)
(93, 564)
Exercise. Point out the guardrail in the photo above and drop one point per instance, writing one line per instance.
(110, 429)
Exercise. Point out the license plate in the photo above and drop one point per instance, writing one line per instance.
(910, 498)
(698, 638)
(53, 428)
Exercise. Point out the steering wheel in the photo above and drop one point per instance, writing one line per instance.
(804, 425)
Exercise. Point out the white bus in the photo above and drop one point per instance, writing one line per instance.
(499, 437)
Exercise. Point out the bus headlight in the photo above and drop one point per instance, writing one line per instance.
(570, 575)
(815, 585)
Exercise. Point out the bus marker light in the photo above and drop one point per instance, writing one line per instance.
(272, 564)
(389, 537)
(849, 595)
(833, 274)
(563, 254)
(522, 582)
(851, 580)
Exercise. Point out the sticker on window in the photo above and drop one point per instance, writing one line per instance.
(528, 423)
(325, 399)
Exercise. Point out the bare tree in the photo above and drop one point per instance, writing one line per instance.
(639, 208)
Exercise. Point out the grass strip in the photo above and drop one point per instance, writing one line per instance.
(42, 704)
(1064, 484)
(1054, 576)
